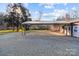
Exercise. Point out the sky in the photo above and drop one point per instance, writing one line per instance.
(48, 11)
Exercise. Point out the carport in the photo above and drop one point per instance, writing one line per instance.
(67, 24)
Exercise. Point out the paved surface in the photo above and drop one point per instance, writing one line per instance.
(38, 44)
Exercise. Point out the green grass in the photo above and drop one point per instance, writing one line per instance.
(5, 31)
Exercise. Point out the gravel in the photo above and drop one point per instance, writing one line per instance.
(38, 44)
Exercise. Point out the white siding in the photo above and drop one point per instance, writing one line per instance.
(76, 30)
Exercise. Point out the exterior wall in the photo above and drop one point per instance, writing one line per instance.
(76, 30)
(54, 28)
(59, 28)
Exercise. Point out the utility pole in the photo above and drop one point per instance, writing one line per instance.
(40, 15)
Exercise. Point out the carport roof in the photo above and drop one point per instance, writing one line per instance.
(47, 22)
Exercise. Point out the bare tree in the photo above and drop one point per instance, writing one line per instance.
(74, 14)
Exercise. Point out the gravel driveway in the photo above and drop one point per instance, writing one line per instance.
(38, 44)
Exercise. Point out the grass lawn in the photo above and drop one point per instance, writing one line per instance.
(5, 31)
(8, 31)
